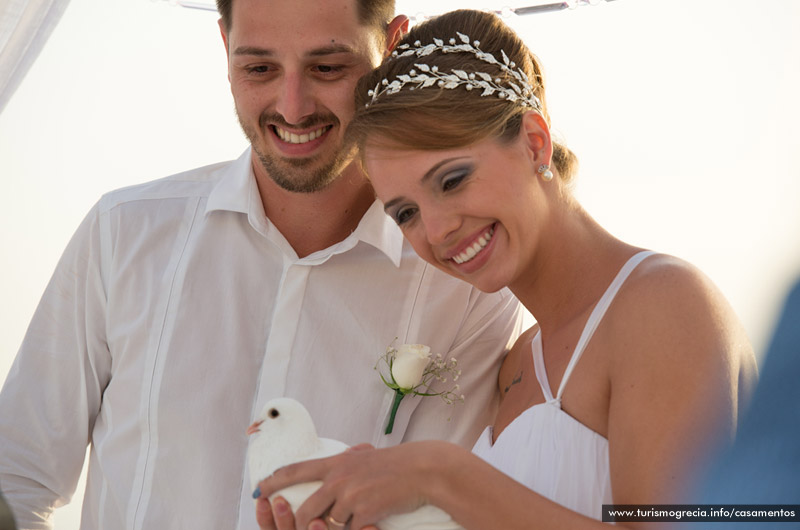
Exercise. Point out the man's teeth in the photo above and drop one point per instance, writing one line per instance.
(476, 247)
(293, 138)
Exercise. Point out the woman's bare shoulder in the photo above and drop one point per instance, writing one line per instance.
(669, 312)
(666, 286)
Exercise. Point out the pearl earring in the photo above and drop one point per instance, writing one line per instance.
(544, 171)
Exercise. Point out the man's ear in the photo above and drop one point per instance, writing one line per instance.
(394, 32)
(224, 34)
(225, 42)
(536, 135)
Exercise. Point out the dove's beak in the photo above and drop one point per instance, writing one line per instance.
(254, 427)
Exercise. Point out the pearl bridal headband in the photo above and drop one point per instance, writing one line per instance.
(516, 88)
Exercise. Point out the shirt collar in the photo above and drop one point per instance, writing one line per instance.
(377, 229)
(237, 191)
(232, 192)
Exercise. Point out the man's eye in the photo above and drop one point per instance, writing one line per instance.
(328, 68)
(260, 69)
(404, 215)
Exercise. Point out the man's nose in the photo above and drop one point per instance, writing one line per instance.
(295, 101)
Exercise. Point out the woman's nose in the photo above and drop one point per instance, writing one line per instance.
(440, 225)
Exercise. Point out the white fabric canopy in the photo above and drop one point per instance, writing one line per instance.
(25, 26)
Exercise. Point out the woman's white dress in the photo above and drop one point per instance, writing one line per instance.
(548, 450)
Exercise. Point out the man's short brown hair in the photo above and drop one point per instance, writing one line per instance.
(374, 13)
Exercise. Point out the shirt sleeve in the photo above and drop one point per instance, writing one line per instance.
(490, 324)
(53, 391)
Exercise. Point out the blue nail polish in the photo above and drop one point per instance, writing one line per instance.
(257, 493)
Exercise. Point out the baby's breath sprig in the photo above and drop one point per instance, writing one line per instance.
(413, 371)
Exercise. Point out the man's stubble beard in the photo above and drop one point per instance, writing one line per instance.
(300, 175)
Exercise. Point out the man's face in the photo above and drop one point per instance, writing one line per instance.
(293, 66)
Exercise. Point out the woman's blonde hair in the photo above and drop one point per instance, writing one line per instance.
(434, 118)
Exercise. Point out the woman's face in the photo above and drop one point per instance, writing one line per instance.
(471, 211)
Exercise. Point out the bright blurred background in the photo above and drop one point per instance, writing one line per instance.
(683, 113)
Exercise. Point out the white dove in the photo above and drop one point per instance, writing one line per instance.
(284, 433)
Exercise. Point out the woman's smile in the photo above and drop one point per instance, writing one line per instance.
(474, 247)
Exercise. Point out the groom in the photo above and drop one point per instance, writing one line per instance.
(182, 305)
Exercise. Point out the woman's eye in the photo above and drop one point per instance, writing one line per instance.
(453, 180)
(404, 215)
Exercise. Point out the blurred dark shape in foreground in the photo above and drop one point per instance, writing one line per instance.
(763, 465)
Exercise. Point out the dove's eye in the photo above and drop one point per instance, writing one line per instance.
(273, 413)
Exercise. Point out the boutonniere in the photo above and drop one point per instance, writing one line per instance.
(412, 370)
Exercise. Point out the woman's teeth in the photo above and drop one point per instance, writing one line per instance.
(476, 247)
(293, 138)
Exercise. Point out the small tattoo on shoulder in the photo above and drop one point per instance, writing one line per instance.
(517, 379)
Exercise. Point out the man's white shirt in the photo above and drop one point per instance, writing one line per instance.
(178, 309)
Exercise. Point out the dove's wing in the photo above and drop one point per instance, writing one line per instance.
(424, 518)
(329, 448)
(297, 494)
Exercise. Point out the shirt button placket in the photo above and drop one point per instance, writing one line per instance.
(283, 329)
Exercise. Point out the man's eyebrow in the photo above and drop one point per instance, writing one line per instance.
(316, 52)
(330, 50)
(253, 50)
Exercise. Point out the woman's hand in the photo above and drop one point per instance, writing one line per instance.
(362, 485)
(275, 516)
(279, 516)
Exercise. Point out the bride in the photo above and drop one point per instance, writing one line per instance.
(637, 368)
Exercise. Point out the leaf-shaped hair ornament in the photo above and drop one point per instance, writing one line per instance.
(521, 91)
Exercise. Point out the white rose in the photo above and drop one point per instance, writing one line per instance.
(409, 365)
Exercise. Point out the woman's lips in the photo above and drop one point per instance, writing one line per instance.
(471, 251)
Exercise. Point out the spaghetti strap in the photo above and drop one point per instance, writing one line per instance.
(597, 315)
(539, 368)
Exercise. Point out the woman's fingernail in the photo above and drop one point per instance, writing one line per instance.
(262, 506)
(317, 525)
(257, 493)
(281, 507)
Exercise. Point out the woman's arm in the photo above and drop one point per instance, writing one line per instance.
(680, 357)
(369, 485)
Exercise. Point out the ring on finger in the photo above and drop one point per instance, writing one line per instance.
(338, 524)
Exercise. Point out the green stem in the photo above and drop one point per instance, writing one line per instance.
(398, 397)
